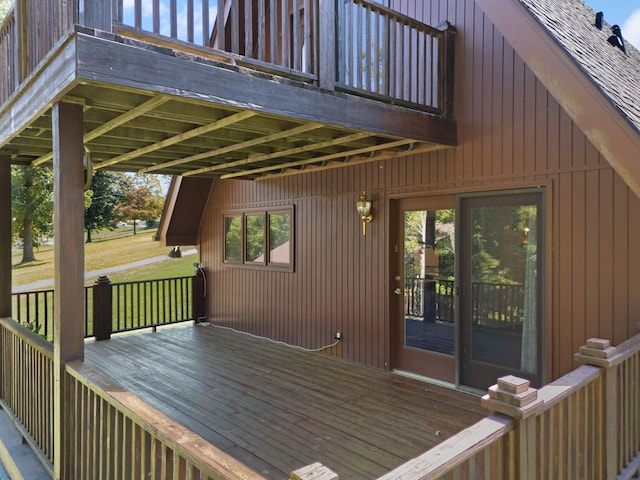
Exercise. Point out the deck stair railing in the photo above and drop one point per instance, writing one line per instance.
(354, 46)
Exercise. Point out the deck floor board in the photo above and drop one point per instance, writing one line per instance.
(277, 408)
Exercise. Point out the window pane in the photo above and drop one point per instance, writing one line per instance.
(280, 238)
(255, 239)
(233, 238)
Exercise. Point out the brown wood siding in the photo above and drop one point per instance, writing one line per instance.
(512, 133)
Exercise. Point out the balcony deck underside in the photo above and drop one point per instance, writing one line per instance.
(153, 109)
(277, 408)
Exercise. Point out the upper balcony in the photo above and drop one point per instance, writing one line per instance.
(234, 88)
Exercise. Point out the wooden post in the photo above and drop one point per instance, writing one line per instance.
(102, 308)
(21, 53)
(514, 397)
(5, 236)
(68, 227)
(446, 69)
(315, 471)
(97, 14)
(198, 291)
(597, 352)
(327, 43)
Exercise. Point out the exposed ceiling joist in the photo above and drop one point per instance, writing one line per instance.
(223, 122)
(353, 160)
(283, 153)
(360, 151)
(118, 121)
(236, 146)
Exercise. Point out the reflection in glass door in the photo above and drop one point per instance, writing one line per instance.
(426, 284)
(501, 259)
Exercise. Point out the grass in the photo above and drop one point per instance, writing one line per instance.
(108, 249)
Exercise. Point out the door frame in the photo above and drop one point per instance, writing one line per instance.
(443, 367)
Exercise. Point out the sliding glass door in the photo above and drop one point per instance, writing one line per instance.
(500, 278)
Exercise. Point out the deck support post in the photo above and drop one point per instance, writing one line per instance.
(514, 397)
(5, 236)
(597, 352)
(68, 227)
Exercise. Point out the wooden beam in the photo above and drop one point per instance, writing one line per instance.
(101, 60)
(54, 76)
(282, 153)
(236, 146)
(359, 151)
(224, 122)
(116, 122)
(68, 227)
(5, 236)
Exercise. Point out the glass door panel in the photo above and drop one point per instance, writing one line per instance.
(501, 287)
(428, 279)
(425, 284)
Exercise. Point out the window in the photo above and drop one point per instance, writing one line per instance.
(259, 238)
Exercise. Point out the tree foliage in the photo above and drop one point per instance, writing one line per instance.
(143, 200)
(106, 193)
(5, 6)
(31, 205)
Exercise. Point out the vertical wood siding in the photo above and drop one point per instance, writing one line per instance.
(512, 132)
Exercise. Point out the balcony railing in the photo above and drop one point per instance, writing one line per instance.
(117, 307)
(355, 46)
(494, 305)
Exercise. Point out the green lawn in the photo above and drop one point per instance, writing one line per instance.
(108, 249)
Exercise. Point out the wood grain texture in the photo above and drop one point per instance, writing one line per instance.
(512, 133)
(277, 408)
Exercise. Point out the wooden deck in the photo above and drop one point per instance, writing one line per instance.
(277, 408)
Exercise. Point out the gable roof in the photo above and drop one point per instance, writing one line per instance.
(559, 42)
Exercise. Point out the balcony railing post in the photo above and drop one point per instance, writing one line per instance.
(102, 308)
(597, 352)
(21, 54)
(446, 69)
(5, 236)
(97, 14)
(327, 43)
(512, 396)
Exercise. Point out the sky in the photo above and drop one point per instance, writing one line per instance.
(625, 13)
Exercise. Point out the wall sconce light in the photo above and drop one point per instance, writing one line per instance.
(363, 206)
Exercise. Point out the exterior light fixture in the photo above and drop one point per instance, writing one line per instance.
(363, 206)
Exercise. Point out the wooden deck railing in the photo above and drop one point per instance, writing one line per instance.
(117, 307)
(494, 305)
(26, 385)
(7, 55)
(116, 435)
(355, 46)
(585, 425)
(390, 56)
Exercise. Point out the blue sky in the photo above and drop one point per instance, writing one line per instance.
(625, 13)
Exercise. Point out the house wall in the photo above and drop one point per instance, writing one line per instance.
(511, 133)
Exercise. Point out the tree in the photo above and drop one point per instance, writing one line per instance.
(106, 193)
(143, 200)
(5, 6)
(31, 205)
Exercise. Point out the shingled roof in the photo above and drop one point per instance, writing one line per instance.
(572, 24)
(597, 84)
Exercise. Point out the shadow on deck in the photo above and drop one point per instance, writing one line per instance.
(277, 408)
